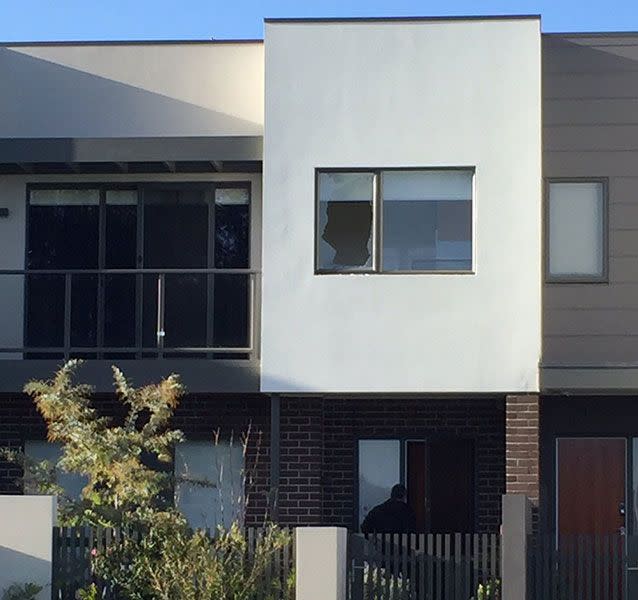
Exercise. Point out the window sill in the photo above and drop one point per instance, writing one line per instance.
(472, 272)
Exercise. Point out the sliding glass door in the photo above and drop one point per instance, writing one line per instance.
(80, 237)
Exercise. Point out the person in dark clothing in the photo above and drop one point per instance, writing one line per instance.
(394, 515)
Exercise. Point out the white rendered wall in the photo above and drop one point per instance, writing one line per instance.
(13, 194)
(132, 90)
(26, 541)
(403, 94)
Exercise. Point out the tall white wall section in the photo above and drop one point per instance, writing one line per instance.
(403, 94)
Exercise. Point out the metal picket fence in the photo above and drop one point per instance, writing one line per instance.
(576, 567)
(72, 547)
(446, 566)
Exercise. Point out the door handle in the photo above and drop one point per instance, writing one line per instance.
(621, 508)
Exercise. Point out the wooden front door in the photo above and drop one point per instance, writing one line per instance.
(591, 485)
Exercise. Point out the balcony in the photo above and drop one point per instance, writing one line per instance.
(199, 322)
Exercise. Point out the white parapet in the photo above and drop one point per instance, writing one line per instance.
(321, 563)
(26, 528)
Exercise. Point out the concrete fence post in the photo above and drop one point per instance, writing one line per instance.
(321, 563)
(26, 541)
(517, 525)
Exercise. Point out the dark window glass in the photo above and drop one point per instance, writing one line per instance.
(232, 228)
(345, 221)
(63, 234)
(63, 229)
(176, 236)
(120, 253)
(45, 313)
(230, 300)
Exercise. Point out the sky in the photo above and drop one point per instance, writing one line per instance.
(54, 20)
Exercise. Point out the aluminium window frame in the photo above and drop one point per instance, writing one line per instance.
(377, 222)
(603, 278)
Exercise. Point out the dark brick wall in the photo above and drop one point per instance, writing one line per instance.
(197, 416)
(319, 449)
(318, 445)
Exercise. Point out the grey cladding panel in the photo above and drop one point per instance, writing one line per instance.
(591, 85)
(591, 138)
(590, 350)
(590, 164)
(612, 296)
(591, 322)
(574, 112)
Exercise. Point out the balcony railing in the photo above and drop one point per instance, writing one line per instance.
(130, 313)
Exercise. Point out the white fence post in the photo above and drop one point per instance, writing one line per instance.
(26, 541)
(321, 563)
(517, 525)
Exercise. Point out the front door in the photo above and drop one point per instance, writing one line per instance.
(591, 511)
(591, 486)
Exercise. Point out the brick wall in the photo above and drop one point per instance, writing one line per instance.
(198, 416)
(318, 445)
(522, 445)
(319, 486)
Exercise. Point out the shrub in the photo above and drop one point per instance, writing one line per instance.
(157, 557)
(22, 591)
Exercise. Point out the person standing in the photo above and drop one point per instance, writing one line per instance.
(394, 515)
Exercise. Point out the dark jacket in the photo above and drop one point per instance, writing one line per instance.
(393, 516)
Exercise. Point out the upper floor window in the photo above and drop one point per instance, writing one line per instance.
(576, 225)
(394, 220)
(97, 254)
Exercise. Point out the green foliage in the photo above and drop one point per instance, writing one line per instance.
(171, 563)
(89, 593)
(491, 590)
(22, 591)
(381, 584)
(113, 458)
(157, 556)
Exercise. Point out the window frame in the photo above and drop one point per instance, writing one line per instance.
(141, 187)
(377, 222)
(603, 278)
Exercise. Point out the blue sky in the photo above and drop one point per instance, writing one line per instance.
(38, 20)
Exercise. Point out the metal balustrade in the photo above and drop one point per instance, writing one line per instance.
(81, 312)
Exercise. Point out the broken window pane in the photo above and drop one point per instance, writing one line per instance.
(345, 221)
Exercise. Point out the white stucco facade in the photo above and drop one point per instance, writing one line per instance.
(403, 94)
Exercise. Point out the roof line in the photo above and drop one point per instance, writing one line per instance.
(400, 19)
(133, 42)
(590, 33)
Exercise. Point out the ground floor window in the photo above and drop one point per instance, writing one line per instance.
(209, 486)
(438, 474)
(38, 451)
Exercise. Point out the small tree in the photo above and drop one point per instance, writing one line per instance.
(157, 556)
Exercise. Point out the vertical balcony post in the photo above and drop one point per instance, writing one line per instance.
(160, 315)
(251, 315)
(67, 315)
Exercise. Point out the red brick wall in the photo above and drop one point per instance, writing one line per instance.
(198, 417)
(319, 486)
(521, 443)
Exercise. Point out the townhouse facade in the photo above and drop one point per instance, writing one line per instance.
(392, 250)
